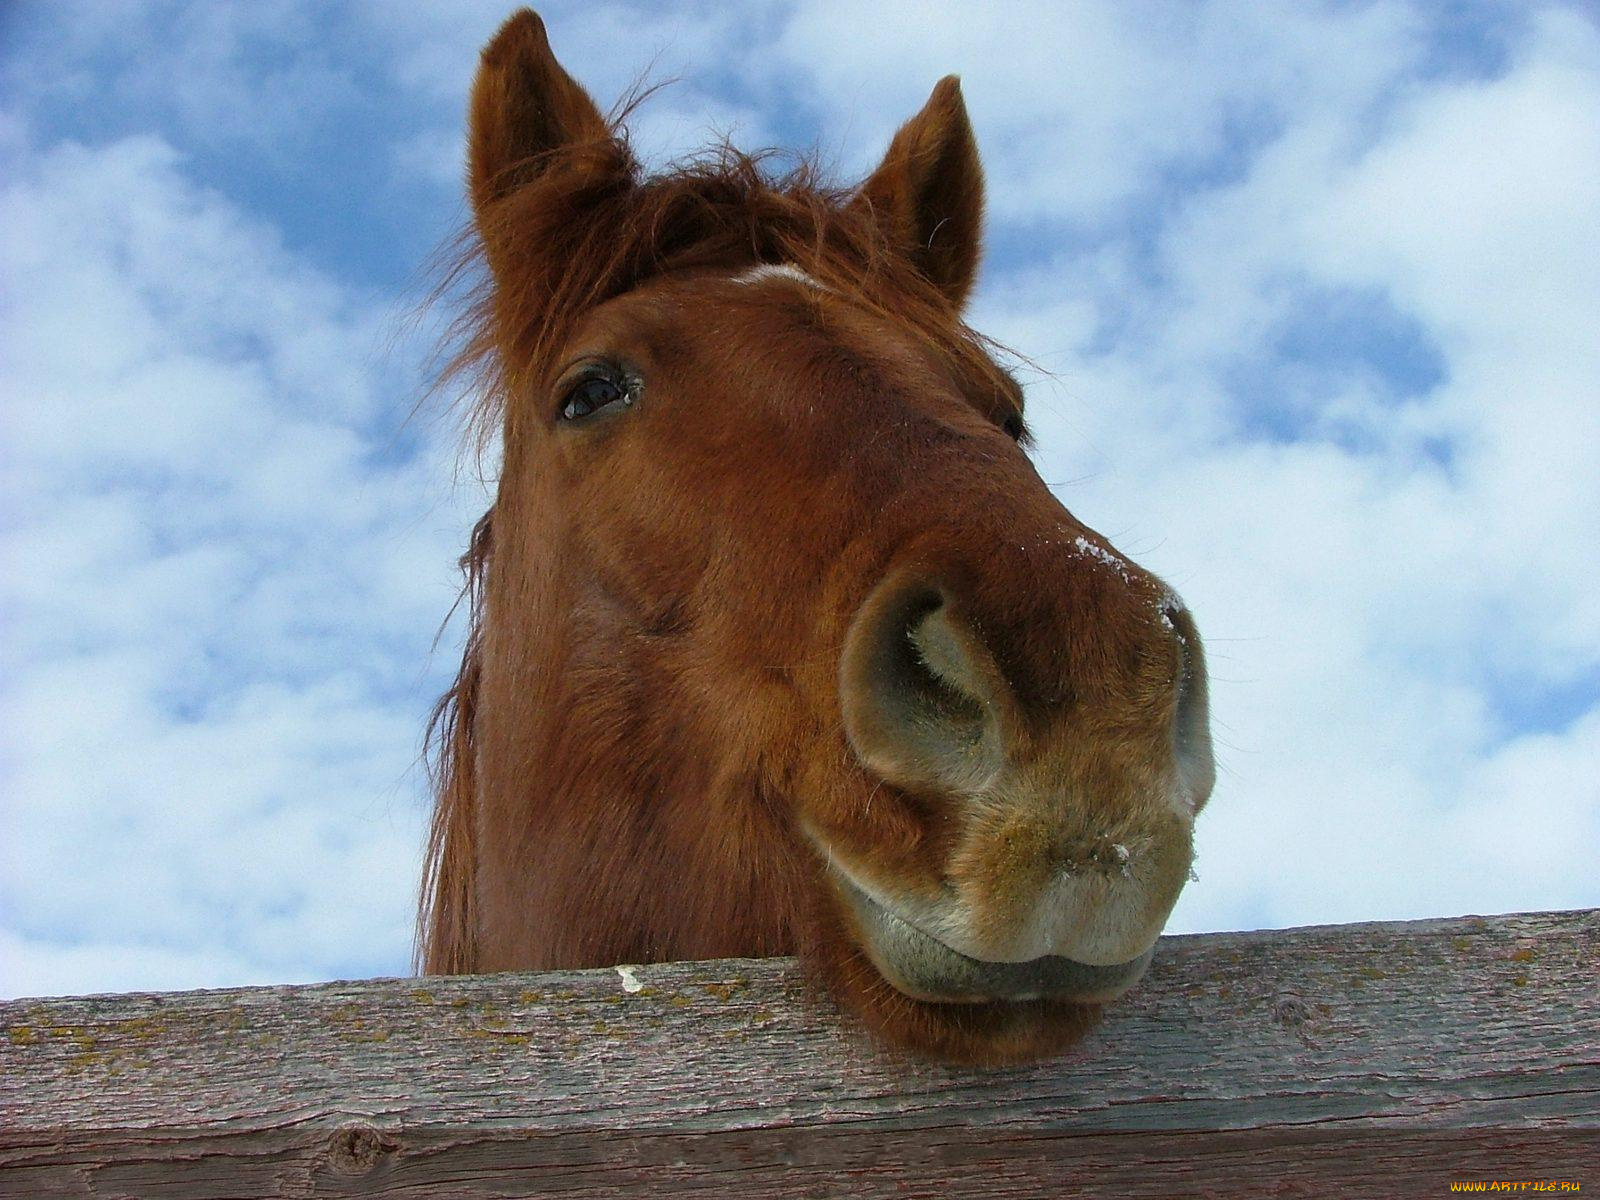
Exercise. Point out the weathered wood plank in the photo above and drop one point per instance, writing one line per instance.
(1380, 1059)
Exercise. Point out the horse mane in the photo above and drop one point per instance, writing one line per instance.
(447, 917)
(580, 226)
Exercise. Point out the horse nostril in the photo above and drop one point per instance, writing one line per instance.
(935, 679)
(918, 691)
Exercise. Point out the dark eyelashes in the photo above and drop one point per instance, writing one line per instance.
(596, 387)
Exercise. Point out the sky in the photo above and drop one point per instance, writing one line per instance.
(1312, 291)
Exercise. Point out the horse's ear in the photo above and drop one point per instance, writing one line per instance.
(524, 107)
(929, 192)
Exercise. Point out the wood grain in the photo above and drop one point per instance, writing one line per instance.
(1360, 1060)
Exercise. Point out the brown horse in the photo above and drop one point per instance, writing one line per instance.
(779, 644)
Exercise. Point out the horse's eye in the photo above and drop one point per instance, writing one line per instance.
(591, 394)
(1013, 425)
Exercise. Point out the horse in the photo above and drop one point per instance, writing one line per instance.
(778, 643)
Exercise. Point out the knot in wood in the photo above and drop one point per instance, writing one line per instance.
(355, 1148)
(1289, 1010)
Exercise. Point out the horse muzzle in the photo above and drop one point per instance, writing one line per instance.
(920, 965)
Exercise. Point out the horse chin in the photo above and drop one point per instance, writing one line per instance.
(921, 996)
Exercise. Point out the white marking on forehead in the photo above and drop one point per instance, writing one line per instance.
(765, 271)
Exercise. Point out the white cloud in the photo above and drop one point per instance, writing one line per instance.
(1085, 108)
(223, 579)
(46, 967)
(262, 76)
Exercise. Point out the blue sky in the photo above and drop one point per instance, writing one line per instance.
(1315, 287)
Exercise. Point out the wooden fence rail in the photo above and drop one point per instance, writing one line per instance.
(1383, 1059)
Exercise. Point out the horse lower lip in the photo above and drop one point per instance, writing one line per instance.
(924, 967)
